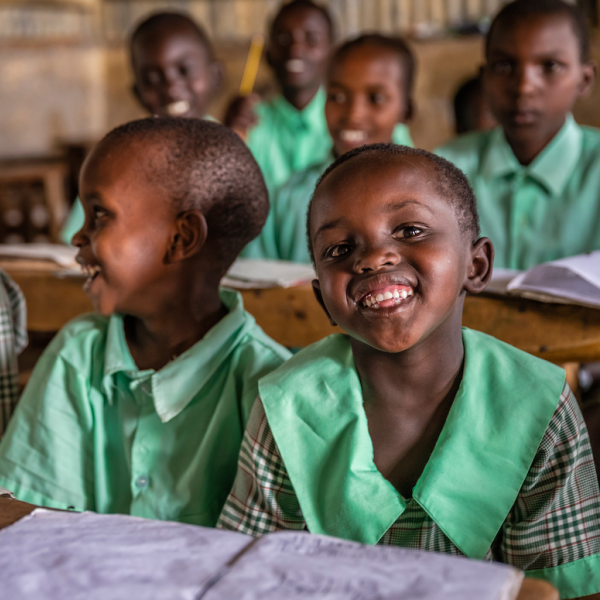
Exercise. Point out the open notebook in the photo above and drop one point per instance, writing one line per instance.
(58, 555)
(573, 280)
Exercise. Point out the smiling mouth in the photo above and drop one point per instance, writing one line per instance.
(295, 65)
(387, 297)
(353, 136)
(91, 272)
(177, 109)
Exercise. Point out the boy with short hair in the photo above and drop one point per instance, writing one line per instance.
(537, 176)
(369, 100)
(140, 409)
(176, 74)
(409, 430)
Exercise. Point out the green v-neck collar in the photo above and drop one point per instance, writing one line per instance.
(502, 409)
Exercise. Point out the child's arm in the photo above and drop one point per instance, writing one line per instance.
(553, 530)
(262, 499)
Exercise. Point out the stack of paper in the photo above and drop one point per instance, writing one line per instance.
(61, 255)
(253, 274)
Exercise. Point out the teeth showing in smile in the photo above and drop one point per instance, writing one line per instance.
(353, 136)
(390, 296)
(176, 109)
(294, 65)
(90, 271)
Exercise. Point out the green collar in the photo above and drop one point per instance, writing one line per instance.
(179, 381)
(552, 167)
(499, 416)
(306, 118)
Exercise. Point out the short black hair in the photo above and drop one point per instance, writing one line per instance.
(453, 184)
(157, 21)
(206, 167)
(464, 104)
(393, 43)
(304, 4)
(522, 10)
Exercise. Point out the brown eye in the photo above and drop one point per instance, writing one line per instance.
(337, 97)
(408, 232)
(339, 250)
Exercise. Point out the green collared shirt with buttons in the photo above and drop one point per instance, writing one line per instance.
(94, 432)
(547, 210)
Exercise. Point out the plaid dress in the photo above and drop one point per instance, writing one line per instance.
(13, 339)
(555, 519)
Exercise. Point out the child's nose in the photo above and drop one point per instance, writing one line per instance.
(375, 258)
(526, 79)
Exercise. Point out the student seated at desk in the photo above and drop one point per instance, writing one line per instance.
(176, 74)
(140, 409)
(409, 430)
(369, 99)
(537, 176)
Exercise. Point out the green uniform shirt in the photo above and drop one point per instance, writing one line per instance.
(284, 235)
(547, 210)
(511, 477)
(94, 432)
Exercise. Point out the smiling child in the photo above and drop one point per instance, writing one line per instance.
(537, 176)
(140, 409)
(409, 430)
(176, 74)
(369, 100)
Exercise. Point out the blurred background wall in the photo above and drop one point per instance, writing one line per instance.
(65, 77)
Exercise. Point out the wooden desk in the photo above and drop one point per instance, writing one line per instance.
(292, 316)
(13, 510)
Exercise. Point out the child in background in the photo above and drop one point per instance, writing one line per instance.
(176, 74)
(537, 176)
(288, 132)
(471, 109)
(409, 430)
(140, 409)
(369, 100)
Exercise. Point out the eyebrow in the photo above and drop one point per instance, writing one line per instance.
(389, 208)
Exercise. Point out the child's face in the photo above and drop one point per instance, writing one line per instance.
(174, 76)
(127, 231)
(391, 259)
(534, 75)
(365, 98)
(299, 48)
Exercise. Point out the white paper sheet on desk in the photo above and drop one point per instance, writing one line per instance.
(300, 566)
(254, 274)
(61, 255)
(70, 556)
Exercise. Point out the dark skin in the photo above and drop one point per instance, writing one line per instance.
(171, 66)
(382, 226)
(297, 52)
(533, 76)
(155, 265)
(366, 97)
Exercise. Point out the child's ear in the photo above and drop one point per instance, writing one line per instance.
(588, 78)
(317, 290)
(479, 271)
(189, 237)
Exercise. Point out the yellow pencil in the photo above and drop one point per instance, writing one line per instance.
(252, 62)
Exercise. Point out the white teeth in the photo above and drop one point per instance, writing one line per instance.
(379, 297)
(176, 109)
(387, 295)
(396, 294)
(403, 294)
(90, 271)
(348, 135)
(294, 65)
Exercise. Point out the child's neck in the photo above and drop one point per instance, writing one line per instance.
(407, 397)
(527, 146)
(300, 98)
(154, 340)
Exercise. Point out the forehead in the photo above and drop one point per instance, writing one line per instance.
(537, 35)
(368, 64)
(167, 43)
(300, 17)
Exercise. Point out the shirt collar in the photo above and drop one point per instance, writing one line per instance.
(306, 118)
(552, 167)
(179, 381)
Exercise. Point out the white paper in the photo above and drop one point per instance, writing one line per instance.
(250, 273)
(299, 566)
(500, 280)
(76, 556)
(61, 255)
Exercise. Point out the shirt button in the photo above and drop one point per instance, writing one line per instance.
(142, 481)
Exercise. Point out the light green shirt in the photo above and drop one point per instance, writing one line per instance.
(284, 235)
(547, 210)
(94, 432)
